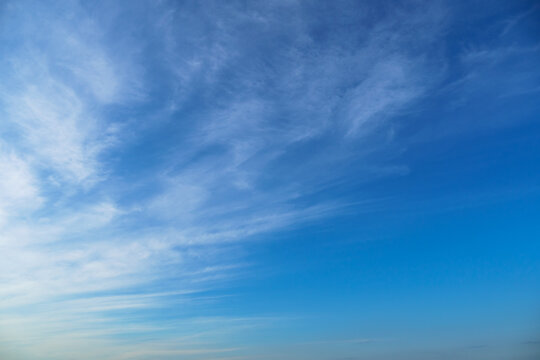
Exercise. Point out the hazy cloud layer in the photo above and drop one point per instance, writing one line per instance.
(143, 143)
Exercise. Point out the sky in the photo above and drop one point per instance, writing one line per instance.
(269, 180)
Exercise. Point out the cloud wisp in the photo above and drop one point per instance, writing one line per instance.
(141, 148)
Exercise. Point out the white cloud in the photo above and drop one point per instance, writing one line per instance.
(56, 83)
(204, 195)
(19, 191)
(389, 86)
(56, 129)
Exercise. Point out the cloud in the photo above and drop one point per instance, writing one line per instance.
(126, 190)
(390, 86)
(51, 119)
(56, 78)
(19, 193)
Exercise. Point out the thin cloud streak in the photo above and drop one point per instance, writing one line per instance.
(238, 126)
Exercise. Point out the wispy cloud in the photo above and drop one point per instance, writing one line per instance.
(99, 203)
(19, 191)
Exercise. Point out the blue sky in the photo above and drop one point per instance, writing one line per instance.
(278, 179)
